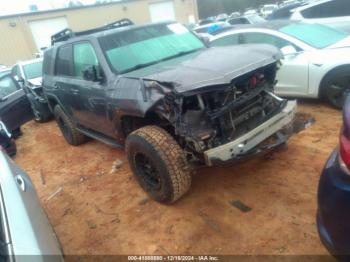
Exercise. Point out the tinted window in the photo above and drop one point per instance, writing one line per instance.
(316, 35)
(64, 61)
(33, 70)
(84, 56)
(333, 8)
(260, 38)
(7, 86)
(281, 14)
(226, 40)
(238, 21)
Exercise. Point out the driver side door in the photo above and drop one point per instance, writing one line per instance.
(293, 75)
(15, 108)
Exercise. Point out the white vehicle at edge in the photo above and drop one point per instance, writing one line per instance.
(316, 58)
(335, 13)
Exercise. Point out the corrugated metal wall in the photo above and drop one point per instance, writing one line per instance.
(17, 43)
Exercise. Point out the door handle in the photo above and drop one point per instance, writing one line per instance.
(56, 86)
(20, 182)
(74, 91)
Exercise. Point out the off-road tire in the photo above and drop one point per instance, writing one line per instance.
(167, 159)
(68, 129)
(39, 116)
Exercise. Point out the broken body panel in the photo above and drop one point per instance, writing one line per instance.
(205, 99)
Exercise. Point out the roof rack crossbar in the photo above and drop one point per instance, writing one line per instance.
(67, 33)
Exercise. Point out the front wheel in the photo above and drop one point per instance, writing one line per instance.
(40, 116)
(336, 87)
(158, 164)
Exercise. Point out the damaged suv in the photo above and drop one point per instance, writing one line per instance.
(173, 102)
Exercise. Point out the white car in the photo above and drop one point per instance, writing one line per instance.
(334, 13)
(316, 57)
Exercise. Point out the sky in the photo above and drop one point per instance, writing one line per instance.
(20, 6)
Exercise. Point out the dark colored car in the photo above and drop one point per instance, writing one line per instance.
(29, 75)
(333, 216)
(246, 20)
(284, 12)
(6, 141)
(174, 102)
(15, 108)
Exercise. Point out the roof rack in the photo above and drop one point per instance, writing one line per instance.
(67, 33)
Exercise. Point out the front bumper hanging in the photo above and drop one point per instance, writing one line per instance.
(245, 144)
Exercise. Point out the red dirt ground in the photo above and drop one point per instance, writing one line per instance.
(98, 212)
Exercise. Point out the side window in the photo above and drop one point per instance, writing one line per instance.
(244, 21)
(63, 65)
(234, 21)
(7, 86)
(226, 40)
(281, 14)
(239, 21)
(260, 38)
(333, 8)
(84, 56)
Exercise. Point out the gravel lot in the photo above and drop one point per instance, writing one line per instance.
(96, 211)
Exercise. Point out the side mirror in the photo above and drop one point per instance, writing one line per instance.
(90, 73)
(288, 50)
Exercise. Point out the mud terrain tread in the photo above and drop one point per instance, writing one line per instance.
(171, 154)
(77, 137)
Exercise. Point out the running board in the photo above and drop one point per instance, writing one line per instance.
(102, 138)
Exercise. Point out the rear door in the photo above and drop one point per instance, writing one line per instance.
(62, 84)
(15, 108)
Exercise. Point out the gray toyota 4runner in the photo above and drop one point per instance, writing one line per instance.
(173, 102)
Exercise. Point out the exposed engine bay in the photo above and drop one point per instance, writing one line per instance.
(220, 114)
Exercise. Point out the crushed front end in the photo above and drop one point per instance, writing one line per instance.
(229, 122)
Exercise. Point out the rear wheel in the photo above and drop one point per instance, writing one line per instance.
(68, 129)
(336, 87)
(40, 116)
(158, 164)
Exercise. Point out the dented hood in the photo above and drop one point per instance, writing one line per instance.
(210, 66)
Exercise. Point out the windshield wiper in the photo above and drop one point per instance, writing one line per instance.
(181, 54)
(139, 66)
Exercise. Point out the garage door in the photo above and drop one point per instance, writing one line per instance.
(162, 11)
(42, 30)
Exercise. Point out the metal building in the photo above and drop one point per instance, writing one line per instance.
(23, 35)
